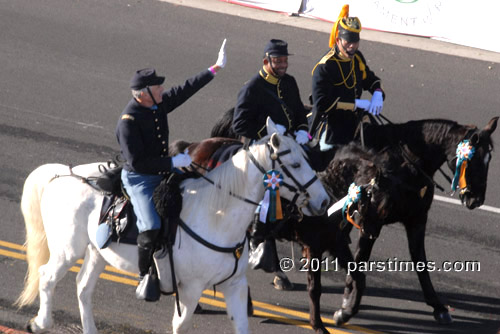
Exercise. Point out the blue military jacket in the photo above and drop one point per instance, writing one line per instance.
(265, 95)
(143, 132)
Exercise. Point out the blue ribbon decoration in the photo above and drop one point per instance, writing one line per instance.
(465, 152)
(353, 196)
(271, 204)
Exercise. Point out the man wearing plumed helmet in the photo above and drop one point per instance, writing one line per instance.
(338, 81)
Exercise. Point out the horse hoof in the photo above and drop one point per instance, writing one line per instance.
(340, 317)
(31, 326)
(443, 318)
(321, 330)
(282, 284)
(250, 309)
(198, 309)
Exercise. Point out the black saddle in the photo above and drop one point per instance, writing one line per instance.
(118, 214)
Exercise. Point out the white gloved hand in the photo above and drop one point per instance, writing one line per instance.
(301, 137)
(377, 103)
(181, 160)
(221, 61)
(362, 104)
(281, 129)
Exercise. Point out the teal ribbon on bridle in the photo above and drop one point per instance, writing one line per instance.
(271, 204)
(353, 196)
(465, 152)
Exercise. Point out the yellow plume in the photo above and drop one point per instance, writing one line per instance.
(335, 30)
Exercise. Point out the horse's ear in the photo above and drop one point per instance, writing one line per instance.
(270, 126)
(275, 141)
(474, 139)
(492, 125)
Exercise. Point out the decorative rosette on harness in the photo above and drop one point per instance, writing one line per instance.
(353, 196)
(271, 204)
(465, 152)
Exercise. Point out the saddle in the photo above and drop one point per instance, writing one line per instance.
(117, 220)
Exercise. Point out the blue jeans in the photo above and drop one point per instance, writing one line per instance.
(140, 188)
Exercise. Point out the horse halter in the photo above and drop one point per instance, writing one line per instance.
(354, 196)
(299, 189)
(465, 152)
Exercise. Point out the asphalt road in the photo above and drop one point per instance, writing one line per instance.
(65, 68)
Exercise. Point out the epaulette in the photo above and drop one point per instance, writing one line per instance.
(325, 58)
(127, 116)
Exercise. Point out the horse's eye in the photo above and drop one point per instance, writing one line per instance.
(296, 165)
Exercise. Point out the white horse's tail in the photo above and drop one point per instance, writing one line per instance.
(37, 250)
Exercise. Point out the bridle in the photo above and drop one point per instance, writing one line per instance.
(465, 152)
(298, 189)
(355, 194)
(237, 250)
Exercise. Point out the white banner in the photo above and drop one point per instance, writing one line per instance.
(469, 23)
(286, 6)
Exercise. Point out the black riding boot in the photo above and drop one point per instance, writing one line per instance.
(149, 285)
(263, 253)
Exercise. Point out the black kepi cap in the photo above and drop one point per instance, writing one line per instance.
(145, 77)
(276, 48)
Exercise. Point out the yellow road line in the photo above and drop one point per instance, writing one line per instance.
(11, 245)
(211, 300)
(13, 254)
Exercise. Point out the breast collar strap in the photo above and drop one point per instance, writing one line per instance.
(237, 250)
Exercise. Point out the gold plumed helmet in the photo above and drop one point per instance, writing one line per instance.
(345, 27)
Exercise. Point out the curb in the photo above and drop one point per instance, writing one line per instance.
(408, 41)
(7, 330)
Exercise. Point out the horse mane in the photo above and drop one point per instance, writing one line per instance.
(415, 133)
(354, 163)
(230, 177)
(227, 179)
(224, 126)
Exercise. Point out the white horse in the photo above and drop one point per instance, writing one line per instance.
(61, 215)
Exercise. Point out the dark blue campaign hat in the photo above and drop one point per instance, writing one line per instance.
(276, 48)
(145, 77)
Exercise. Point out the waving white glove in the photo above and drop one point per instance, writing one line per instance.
(221, 61)
(281, 129)
(301, 137)
(362, 104)
(377, 103)
(181, 160)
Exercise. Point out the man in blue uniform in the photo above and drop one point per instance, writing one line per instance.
(274, 93)
(339, 79)
(142, 133)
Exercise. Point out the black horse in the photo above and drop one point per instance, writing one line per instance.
(422, 146)
(425, 145)
(379, 177)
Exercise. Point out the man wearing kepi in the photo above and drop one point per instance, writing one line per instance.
(142, 133)
(270, 93)
(274, 93)
(339, 79)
